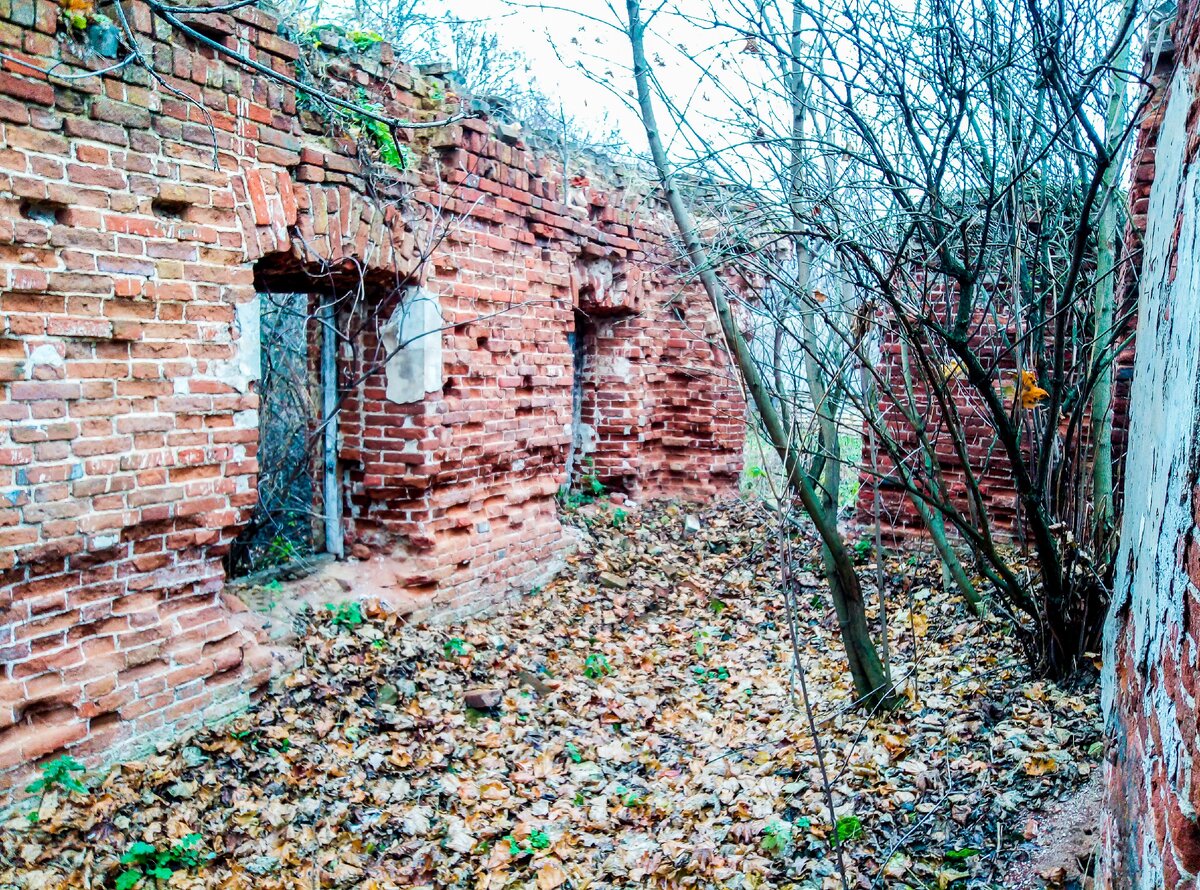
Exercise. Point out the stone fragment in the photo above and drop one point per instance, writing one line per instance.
(612, 581)
(483, 698)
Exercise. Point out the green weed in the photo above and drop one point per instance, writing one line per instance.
(146, 862)
(345, 616)
(848, 828)
(56, 776)
(596, 666)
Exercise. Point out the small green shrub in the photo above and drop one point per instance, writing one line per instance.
(631, 799)
(538, 840)
(345, 616)
(281, 551)
(776, 837)
(848, 828)
(146, 862)
(704, 675)
(594, 485)
(596, 666)
(590, 488)
(364, 39)
(56, 776)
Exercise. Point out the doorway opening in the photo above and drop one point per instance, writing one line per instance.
(583, 436)
(298, 514)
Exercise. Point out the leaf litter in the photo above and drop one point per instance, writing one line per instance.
(640, 727)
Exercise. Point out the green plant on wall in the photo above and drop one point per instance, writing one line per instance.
(380, 134)
(361, 123)
(362, 39)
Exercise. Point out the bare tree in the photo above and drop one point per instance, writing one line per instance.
(871, 682)
(951, 171)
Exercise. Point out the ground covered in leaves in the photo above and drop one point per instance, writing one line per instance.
(635, 724)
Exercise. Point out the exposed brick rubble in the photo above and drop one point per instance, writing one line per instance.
(128, 354)
(1152, 639)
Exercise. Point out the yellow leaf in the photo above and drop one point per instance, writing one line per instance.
(1040, 765)
(920, 624)
(1027, 390)
(949, 876)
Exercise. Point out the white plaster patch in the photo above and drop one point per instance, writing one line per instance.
(1152, 585)
(246, 365)
(585, 437)
(413, 340)
(614, 366)
(46, 354)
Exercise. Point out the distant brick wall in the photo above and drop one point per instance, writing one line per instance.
(987, 460)
(130, 268)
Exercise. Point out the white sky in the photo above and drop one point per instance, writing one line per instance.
(561, 38)
(554, 41)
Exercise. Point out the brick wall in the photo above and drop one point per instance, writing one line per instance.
(987, 462)
(1152, 637)
(139, 218)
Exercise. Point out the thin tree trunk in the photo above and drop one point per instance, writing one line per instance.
(933, 519)
(1103, 337)
(870, 681)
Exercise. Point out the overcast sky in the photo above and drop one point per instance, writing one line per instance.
(558, 42)
(579, 59)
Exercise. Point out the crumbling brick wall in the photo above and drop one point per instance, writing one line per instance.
(1151, 831)
(980, 456)
(987, 462)
(139, 218)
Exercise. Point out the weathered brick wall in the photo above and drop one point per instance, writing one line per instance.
(987, 461)
(1152, 636)
(134, 239)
